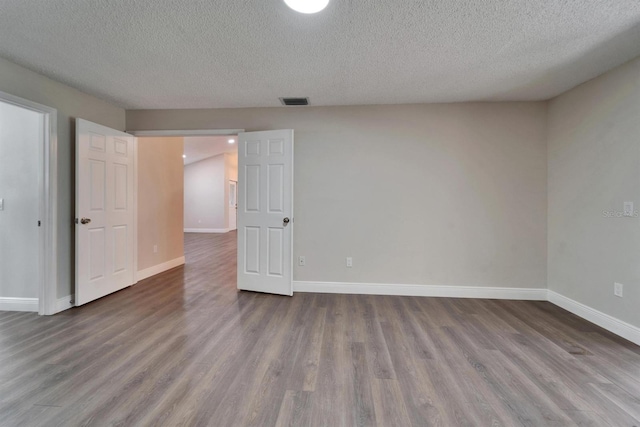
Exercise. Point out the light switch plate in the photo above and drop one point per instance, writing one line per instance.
(1, 204)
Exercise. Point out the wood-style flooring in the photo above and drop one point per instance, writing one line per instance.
(185, 348)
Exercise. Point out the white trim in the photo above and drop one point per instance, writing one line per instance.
(206, 230)
(534, 294)
(610, 323)
(135, 211)
(157, 269)
(19, 304)
(192, 132)
(64, 303)
(48, 263)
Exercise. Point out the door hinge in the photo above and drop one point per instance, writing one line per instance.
(39, 223)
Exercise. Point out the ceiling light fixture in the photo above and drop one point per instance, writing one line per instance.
(307, 6)
(184, 156)
(231, 141)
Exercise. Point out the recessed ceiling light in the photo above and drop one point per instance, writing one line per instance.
(307, 6)
(184, 156)
(231, 141)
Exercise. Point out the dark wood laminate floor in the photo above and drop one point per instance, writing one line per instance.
(185, 348)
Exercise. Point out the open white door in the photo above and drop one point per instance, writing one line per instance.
(265, 211)
(105, 221)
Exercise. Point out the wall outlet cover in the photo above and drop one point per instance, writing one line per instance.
(618, 289)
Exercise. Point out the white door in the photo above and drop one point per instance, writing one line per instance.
(233, 204)
(105, 227)
(265, 211)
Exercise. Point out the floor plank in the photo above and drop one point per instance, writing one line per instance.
(186, 348)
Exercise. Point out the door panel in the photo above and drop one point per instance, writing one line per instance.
(104, 211)
(265, 211)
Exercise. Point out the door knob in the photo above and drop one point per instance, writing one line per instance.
(85, 220)
(286, 221)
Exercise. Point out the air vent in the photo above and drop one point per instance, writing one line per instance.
(294, 101)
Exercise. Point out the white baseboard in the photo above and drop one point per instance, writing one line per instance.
(157, 269)
(610, 323)
(19, 304)
(64, 303)
(206, 230)
(534, 294)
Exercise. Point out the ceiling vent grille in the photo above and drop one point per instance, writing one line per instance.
(294, 101)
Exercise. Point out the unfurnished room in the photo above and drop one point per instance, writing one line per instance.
(320, 213)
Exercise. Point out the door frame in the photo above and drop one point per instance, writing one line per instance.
(206, 132)
(162, 133)
(48, 196)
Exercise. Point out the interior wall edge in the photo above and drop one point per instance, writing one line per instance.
(610, 323)
(18, 304)
(530, 294)
(160, 268)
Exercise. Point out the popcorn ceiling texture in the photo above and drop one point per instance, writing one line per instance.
(247, 53)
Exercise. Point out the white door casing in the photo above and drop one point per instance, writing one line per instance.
(265, 211)
(105, 211)
(48, 189)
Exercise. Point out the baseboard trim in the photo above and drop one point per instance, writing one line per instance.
(157, 269)
(533, 294)
(64, 303)
(18, 304)
(206, 230)
(610, 323)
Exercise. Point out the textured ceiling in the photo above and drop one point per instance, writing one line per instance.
(232, 53)
(198, 148)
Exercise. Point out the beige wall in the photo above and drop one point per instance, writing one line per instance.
(204, 194)
(428, 194)
(71, 104)
(594, 167)
(160, 200)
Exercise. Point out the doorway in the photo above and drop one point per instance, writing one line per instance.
(28, 182)
(182, 191)
(265, 208)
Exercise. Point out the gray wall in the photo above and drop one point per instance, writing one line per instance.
(594, 166)
(20, 141)
(70, 104)
(204, 194)
(417, 194)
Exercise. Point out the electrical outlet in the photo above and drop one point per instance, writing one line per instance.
(155, 249)
(301, 261)
(349, 262)
(617, 289)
